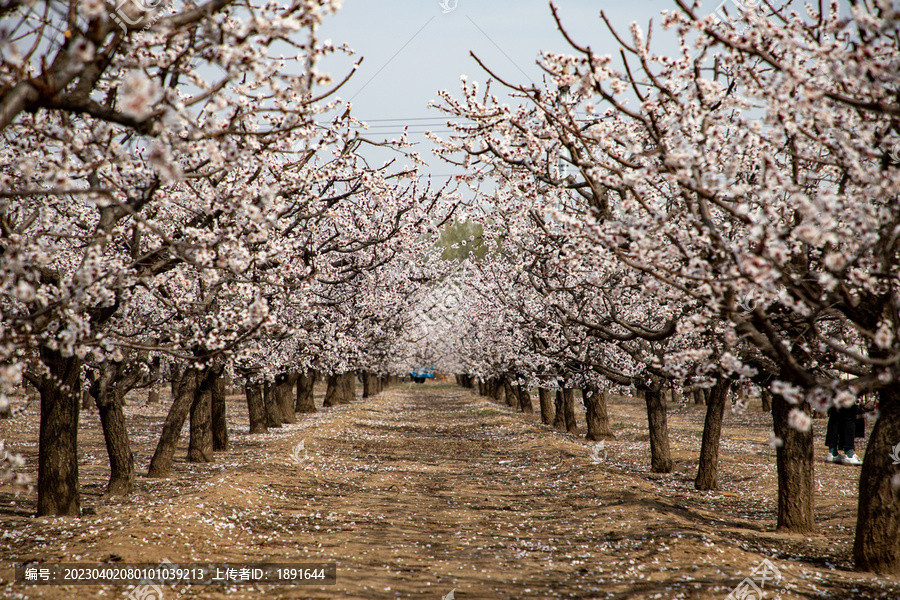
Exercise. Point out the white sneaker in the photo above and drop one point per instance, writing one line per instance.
(832, 458)
(851, 460)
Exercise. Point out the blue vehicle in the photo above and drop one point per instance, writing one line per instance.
(420, 375)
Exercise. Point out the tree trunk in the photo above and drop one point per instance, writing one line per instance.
(348, 387)
(660, 453)
(512, 398)
(273, 411)
(341, 389)
(370, 384)
(161, 463)
(708, 471)
(305, 388)
(765, 397)
(796, 481)
(877, 544)
(497, 391)
(256, 408)
(332, 391)
(367, 385)
(58, 492)
(559, 420)
(596, 414)
(115, 380)
(200, 446)
(699, 396)
(115, 433)
(569, 410)
(546, 406)
(153, 395)
(284, 396)
(218, 387)
(525, 402)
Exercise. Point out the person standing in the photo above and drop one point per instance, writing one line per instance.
(840, 434)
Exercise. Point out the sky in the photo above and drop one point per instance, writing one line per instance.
(411, 49)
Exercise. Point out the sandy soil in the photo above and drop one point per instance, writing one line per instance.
(428, 489)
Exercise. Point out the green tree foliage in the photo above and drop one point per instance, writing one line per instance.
(461, 239)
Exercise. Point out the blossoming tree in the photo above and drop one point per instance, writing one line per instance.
(751, 173)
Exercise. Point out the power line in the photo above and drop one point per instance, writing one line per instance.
(410, 119)
(417, 125)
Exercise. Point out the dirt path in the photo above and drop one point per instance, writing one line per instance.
(427, 489)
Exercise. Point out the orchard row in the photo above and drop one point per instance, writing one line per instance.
(175, 201)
